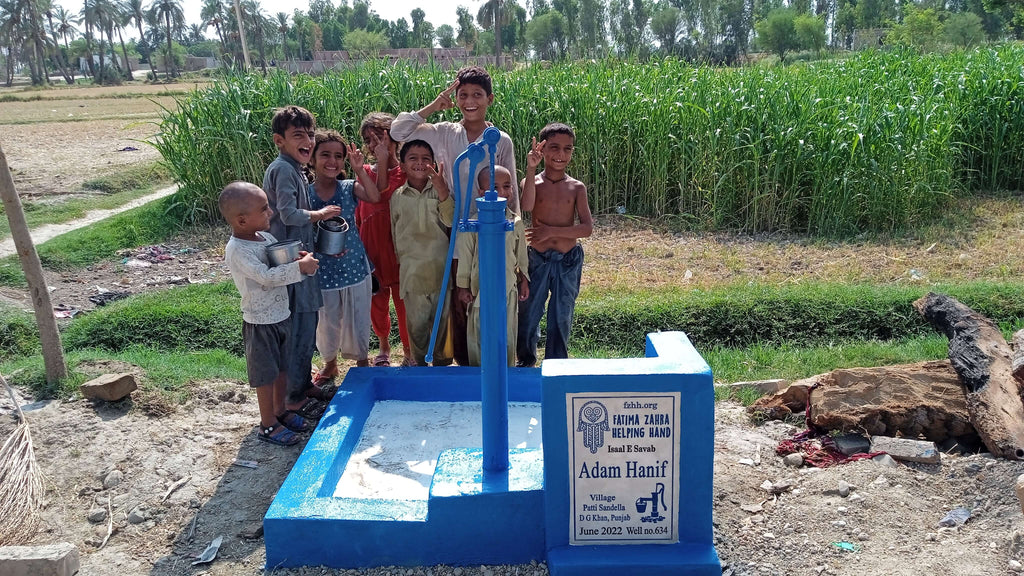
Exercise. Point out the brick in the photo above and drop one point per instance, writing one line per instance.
(765, 387)
(906, 449)
(850, 444)
(110, 387)
(49, 560)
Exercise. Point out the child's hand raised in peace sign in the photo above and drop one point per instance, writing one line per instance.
(355, 157)
(536, 153)
(437, 180)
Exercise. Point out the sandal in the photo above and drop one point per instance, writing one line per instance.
(383, 360)
(279, 435)
(407, 362)
(320, 380)
(312, 409)
(293, 421)
(324, 392)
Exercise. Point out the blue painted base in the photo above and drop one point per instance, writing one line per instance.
(469, 518)
(649, 560)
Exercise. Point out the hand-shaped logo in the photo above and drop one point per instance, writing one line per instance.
(593, 422)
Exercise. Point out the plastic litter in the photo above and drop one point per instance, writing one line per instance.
(846, 546)
(104, 298)
(955, 517)
(210, 553)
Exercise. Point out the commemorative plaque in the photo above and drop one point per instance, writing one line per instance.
(623, 467)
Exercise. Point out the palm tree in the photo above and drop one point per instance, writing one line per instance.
(259, 23)
(26, 12)
(108, 15)
(213, 15)
(491, 15)
(168, 10)
(134, 10)
(282, 27)
(50, 10)
(195, 33)
(7, 38)
(65, 25)
(89, 18)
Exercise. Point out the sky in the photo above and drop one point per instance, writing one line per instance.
(438, 13)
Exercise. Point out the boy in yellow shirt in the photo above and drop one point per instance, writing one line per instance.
(467, 279)
(421, 214)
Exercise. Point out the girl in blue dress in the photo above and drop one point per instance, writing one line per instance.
(344, 322)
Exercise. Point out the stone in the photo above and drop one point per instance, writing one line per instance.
(112, 479)
(911, 400)
(110, 387)
(906, 449)
(791, 400)
(885, 460)
(1016, 566)
(844, 488)
(850, 444)
(49, 560)
(795, 460)
(97, 515)
(137, 516)
(1018, 487)
(762, 386)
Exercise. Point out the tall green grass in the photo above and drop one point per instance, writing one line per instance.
(874, 142)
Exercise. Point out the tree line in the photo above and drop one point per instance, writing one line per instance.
(45, 40)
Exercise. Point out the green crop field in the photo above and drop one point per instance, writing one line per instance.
(874, 142)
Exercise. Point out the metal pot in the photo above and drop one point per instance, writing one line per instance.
(331, 236)
(283, 252)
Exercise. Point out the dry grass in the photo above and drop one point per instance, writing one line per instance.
(83, 109)
(21, 482)
(981, 240)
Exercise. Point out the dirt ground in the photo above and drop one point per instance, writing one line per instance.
(126, 455)
(889, 521)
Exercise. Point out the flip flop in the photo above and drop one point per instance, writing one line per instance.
(293, 421)
(320, 380)
(278, 435)
(383, 360)
(407, 362)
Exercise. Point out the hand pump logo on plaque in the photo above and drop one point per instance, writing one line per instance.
(623, 458)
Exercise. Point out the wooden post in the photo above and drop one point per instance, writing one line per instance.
(49, 336)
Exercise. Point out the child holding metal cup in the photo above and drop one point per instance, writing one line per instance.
(345, 283)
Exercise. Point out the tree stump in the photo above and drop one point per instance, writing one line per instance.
(981, 358)
(1018, 356)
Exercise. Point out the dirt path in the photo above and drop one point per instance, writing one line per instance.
(48, 231)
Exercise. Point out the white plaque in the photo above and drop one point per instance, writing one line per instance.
(623, 457)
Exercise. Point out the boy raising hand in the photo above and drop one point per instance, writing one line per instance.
(560, 217)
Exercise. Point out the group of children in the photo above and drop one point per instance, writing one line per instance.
(403, 209)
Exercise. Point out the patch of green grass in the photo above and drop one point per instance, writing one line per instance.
(742, 316)
(169, 372)
(148, 224)
(114, 190)
(196, 317)
(18, 333)
(765, 362)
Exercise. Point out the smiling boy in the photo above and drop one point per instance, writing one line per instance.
(471, 92)
(421, 213)
(292, 219)
(560, 216)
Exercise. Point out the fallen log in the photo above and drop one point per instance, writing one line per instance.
(1018, 355)
(981, 358)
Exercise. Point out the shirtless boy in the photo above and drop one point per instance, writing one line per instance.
(560, 216)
